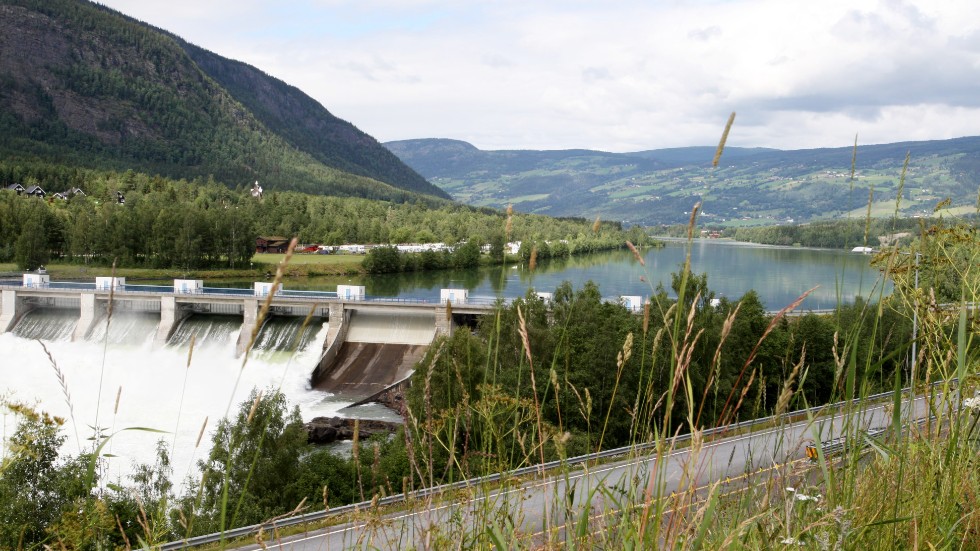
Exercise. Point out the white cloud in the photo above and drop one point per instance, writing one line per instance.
(617, 76)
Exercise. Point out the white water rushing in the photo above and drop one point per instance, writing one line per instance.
(158, 388)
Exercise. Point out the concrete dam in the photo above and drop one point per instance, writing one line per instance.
(379, 350)
(370, 345)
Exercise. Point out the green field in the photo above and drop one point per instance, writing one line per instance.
(336, 260)
(300, 265)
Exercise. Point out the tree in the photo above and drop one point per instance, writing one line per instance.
(31, 248)
(36, 489)
(143, 509)
(466, 255)
(254, 459)
(497, 244)
(382, 260)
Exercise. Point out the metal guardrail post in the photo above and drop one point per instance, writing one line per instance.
(533, 469)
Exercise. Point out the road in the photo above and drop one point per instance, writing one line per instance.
(546, 502)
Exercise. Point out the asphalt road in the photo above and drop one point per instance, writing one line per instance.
(541, 504)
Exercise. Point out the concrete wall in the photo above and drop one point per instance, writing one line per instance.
(89, 313)
(170, 316)
(336, 335)
(444, 322)
(251, 316)
(12, 308)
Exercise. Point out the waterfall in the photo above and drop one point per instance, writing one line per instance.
(47, 324)
(159, 389)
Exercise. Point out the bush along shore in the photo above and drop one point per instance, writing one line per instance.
(537, 382)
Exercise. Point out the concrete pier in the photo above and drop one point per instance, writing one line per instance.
(89, 313)
(444, 322)
(339, 322)
(250, 315)
(171, 314)
(11, 308)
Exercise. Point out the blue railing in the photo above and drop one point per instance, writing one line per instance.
(249, 292)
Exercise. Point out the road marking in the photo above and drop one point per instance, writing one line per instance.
(582, 473)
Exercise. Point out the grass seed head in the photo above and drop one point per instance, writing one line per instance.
(724, 138)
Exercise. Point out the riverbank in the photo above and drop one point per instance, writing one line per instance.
(735, 242)
(262, 267)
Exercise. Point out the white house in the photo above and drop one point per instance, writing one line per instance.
(350, 292)
(106, 283)
(632, 302)
(454, 296)
(263, 288)
(188, 286)
(37, 280)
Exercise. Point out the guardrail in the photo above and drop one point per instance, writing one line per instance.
(300, 294)
(523, 471)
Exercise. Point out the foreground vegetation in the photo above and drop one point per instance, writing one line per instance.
(525, 388)
(535, 383)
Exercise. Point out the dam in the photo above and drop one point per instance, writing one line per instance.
(370, 343)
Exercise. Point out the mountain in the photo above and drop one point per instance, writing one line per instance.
(750, 185)
(85, 85)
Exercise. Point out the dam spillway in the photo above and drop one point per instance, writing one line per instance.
(109, 367)
(371, 343)
(47, 324)
(379, 350)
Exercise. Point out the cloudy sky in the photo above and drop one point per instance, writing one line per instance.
(614, 75)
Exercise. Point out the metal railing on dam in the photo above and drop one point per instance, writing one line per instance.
(184, 298)
(64, 288)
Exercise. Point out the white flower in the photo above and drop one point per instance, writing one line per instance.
(790, 489)
(972, 403)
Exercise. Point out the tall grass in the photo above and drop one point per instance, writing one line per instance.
(915, 486)
(909, 488)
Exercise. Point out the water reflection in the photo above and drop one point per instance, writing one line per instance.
(778, 274)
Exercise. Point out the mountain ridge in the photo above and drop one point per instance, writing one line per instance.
(86, 85)
(750, 186)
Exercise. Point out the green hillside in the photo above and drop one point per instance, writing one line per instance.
(751, 185)
(84, 85)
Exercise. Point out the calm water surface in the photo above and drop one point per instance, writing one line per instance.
(778, 274)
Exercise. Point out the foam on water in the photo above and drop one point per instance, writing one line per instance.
(158, 388)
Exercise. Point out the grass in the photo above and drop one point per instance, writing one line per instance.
(333, 260)
(301, 265)
(913, 490)
(918, 489)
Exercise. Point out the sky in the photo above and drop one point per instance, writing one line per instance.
(611, 75)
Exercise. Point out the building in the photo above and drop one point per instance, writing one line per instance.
(271, 244)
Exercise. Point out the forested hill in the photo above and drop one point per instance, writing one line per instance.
(750, 186)
(81, 84)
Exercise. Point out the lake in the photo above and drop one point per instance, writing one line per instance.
(778, 274)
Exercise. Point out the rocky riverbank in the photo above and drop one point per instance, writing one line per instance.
(326, 430)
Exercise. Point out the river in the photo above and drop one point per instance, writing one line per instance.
(778, 274)
(120, 379)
